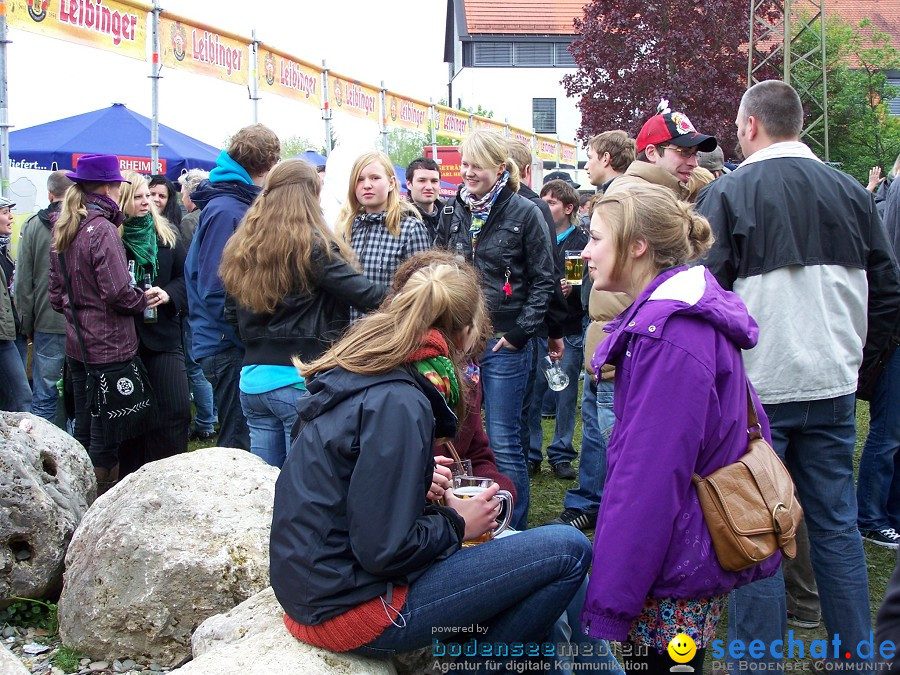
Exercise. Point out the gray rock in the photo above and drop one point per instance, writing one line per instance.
(127, 665)
(9, 664)
(98, 665)
(46, 485)
(35, 648)
(177, 541)
(251, 639)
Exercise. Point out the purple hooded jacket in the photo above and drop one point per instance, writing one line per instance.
(681, 407)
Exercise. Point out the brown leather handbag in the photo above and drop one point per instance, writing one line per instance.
(750, 506)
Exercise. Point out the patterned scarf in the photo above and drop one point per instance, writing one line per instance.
(139, 238)
(431, 360)
(481, 206)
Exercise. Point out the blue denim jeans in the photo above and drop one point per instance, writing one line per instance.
(511, 590)
(201, 390)
(271, 416)
(15, 394)
(48, 354)
(560, 448)
(597, 419)
(878, 487)
(816, 440)
(223, 370)
(504, 375)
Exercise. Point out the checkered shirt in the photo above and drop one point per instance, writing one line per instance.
(379, 252)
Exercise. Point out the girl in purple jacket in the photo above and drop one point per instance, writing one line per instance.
(681, 407)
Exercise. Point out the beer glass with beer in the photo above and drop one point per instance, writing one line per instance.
(574, 268)
(466, 487)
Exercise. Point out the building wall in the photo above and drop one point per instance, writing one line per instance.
(509, 93)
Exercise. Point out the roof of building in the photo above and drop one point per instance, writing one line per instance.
(555, 17)
(528, 17)
(885, 16)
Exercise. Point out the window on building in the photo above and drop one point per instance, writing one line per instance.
(894, 103)
(543, 112)
(531, 54)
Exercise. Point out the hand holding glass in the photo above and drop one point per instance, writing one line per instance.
(467, 487)
(557, 379)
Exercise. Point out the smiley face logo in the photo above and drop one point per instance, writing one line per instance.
(682, 648)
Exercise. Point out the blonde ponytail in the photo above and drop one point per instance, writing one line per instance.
(71, 214)
(440, 296)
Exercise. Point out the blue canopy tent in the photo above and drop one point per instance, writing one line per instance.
(312, 157)
(114, 131)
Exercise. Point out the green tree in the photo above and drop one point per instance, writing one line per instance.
(862, 133)
(404, 145)
(294, 145)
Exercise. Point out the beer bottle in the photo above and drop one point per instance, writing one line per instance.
(149, 312)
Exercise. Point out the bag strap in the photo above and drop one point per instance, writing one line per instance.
(754, 428)
(65, 273)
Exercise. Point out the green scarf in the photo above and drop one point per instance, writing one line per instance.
(139, 238)
(430, 359)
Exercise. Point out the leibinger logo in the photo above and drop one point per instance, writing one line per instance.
(838, 656)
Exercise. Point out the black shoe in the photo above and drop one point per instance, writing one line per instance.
(534, 467)
(576, 518)
(564, 471)
(202, 435)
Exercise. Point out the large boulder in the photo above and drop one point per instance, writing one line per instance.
(251, 639)
(172, 544)
(10, 665)
(46, 485)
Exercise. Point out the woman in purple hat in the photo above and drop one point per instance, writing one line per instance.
(102, 291)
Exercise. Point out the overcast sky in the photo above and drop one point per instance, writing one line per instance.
(400, 42)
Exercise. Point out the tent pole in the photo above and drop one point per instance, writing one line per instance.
(154, 77)
(4, 106)
(254, 76)
(434, 123)
(326, 108)
(384, 129)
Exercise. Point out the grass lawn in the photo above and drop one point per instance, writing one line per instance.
(547, 493)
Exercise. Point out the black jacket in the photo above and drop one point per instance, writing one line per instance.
(432, 219)
(513, 246)
(350, 518)
(165, 334)
(557, 310)
(575, 241)
(305, 324)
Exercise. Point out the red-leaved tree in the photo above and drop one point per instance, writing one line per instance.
(632, 53)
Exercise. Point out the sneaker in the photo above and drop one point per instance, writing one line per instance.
(583, 520)
(797, 622)
(201, 435)
(534, 467)
(564, 471)
(886, 538)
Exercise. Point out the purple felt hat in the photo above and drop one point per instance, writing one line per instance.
(97, 169)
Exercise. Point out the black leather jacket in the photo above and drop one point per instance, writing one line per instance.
(305, 324)
(512, 247)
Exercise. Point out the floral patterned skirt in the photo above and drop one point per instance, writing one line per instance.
(661, 619)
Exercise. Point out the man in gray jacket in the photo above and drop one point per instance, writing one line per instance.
(44, 327)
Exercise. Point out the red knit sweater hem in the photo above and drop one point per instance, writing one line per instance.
(352, 629)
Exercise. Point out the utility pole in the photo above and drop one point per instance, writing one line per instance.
(776, 29)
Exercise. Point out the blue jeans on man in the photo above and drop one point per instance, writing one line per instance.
(201, 390)
(504, 375)
(816, 439)
(878, 487)
(223, 370)
(597, 419)
(560, 448)
(15, 394)
(48, 354)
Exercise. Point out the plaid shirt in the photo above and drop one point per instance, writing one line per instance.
(379, 252)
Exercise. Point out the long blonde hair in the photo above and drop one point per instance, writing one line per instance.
(675, 233)
(395, 208)
(164, 230)
(442, 296)
(489, 150)
(270, 253)
(71, 214)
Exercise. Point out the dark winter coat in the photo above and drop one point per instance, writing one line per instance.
(350, 519)
(513, 247)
